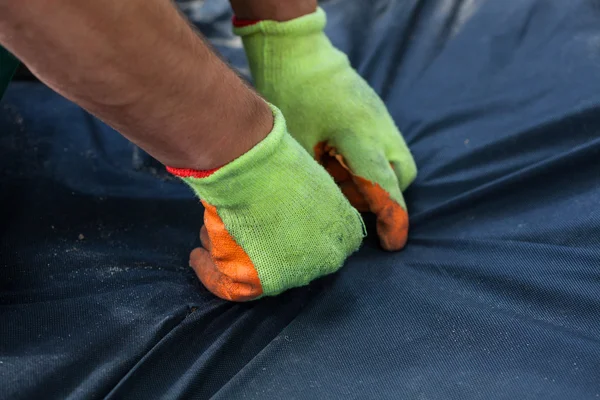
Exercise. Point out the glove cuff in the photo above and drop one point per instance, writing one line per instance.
(305, 25)
(240, 22)
(238, 182)
(192, 173)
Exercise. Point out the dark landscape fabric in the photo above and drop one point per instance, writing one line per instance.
(496, 296)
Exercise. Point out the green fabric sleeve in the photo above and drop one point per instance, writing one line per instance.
(8, 66)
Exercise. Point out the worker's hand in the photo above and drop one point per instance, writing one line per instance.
(335, 115)
(274, 219)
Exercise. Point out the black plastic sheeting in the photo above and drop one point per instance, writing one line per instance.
(497, 295)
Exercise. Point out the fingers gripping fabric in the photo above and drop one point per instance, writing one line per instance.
(275, 219)
(327, 104)
(231, 274)
(365, 195)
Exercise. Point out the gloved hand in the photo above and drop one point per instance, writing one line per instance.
(274, 219)
(335, 115)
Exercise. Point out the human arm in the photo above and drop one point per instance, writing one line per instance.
(140, 67)
(274, 10)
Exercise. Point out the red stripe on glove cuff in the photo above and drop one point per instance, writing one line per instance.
(240, 23)
(191, 173)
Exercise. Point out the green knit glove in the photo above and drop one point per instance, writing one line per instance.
(335, 115)
(274, 219)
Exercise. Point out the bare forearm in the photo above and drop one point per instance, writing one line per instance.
(139, 66)
(277, 10)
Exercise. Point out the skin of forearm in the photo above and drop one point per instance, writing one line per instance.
(140, 67)
(277, 10)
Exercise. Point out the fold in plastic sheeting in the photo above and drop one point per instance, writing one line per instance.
(496, 296)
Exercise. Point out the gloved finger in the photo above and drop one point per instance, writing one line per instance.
(207, 271)
(377, 182)
(392, 218)
(326, 156)
(205, 239)
(398, 154)
(222, 265)
(218, 282)
(405, 170)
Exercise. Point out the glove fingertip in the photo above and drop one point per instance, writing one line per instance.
(205, 238)
(393, 231)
